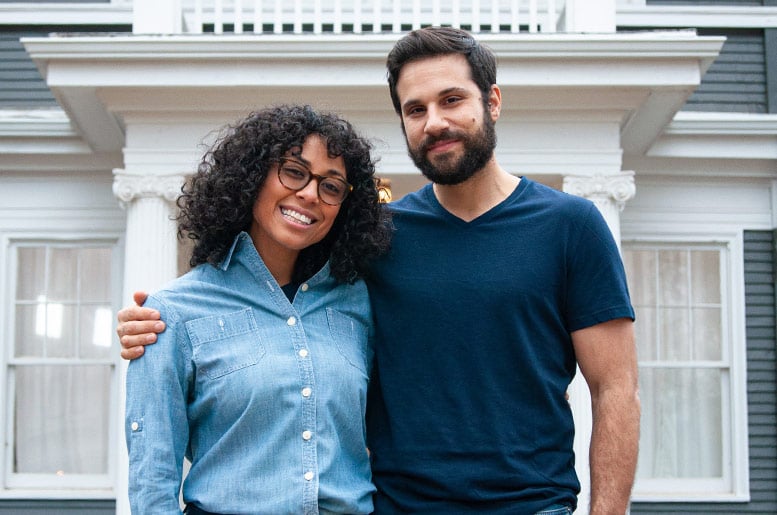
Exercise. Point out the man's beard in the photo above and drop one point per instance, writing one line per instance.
(478, 149)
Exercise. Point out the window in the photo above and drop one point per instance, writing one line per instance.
(687, 372)
(60, 366)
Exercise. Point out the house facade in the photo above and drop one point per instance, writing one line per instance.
(663, 112)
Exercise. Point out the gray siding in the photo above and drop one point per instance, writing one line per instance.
(21, 85)
(64, 507)
(707, 2)
(759, 247)
(736, 81)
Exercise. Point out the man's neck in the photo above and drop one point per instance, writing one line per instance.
(478, 194)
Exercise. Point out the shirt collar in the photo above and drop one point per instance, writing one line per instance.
(239, 239)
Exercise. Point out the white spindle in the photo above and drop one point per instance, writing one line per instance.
(475, 16)
(297, 27)
(218, 17)
(396, 22)
(317, 23)
(550, 25)
(515, 17)
(197, 20)
(258, 17)
(337, 26)
(238, 16)
(376, 16)
(495, 16)
(277, 17)
(532, 15)
(357, 17)
(416, 23)
(456, 14)
(436, 13)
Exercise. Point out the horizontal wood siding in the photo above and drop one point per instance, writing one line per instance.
(63, 507)
(761, 388)
(738, 3)
(21, 85)
(736, 81)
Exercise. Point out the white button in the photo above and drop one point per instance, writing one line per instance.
(307, 435)
(303, 353)
(306, 392)
(291, 321)
(135, 426)
(308, 475)
(305, 287)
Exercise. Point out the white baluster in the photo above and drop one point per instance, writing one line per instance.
(532, 15)
(277, 24)
(218, 17)
(357, 17)
(338, 17)
(238, 16)
(258, 17)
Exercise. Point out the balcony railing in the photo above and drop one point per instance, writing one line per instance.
(367, 16)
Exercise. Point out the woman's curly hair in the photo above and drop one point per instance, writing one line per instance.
(217, 202)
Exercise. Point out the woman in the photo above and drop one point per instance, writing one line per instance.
(260, 379)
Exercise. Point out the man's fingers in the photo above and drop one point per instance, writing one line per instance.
(133, 352)
(131, 313)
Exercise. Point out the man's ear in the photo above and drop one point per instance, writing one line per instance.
(495, 102)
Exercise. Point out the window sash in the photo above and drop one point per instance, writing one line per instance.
(80, 400)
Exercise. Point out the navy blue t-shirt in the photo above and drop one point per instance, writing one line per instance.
(467, 408)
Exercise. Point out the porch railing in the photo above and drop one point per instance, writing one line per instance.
(367, 16)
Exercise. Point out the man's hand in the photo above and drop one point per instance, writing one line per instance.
(138, 326)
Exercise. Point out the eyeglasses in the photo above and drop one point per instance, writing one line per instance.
(295, 176)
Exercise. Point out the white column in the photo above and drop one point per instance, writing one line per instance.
(609, 192)
(150, 260)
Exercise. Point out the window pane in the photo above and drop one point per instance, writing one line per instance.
(31, 273)
(681, 435)
(707, 333)
(96, 332)
(645, 333)
(61, 334)
(675, 331)
(64, 274)
(705, 274)
(673, 277)
(30, 331)
(61, 421)
(95, 273)
(641, 275)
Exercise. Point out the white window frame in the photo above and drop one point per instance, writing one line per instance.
(734, 487)
(34, 486)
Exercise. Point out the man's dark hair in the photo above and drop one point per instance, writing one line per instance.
(435, 41)
(217, 202)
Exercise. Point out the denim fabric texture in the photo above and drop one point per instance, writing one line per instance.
(265, 397)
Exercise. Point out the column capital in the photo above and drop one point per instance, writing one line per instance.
(616, 189)
(128, 187)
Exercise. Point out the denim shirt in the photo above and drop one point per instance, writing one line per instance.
(265, 397)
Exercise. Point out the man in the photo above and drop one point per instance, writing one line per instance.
(495, 288)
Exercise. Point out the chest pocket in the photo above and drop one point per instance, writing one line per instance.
(350, 337)
(222, 344)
